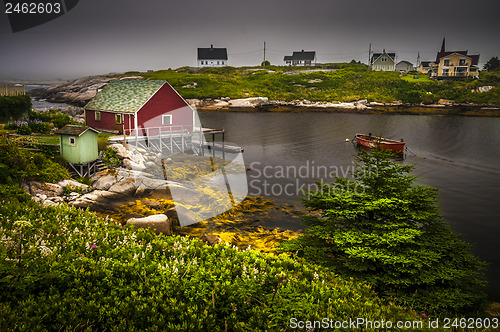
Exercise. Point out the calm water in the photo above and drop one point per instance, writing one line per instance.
(459, 155)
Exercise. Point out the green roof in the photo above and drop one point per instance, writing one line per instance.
(124, 96)
(73, 130)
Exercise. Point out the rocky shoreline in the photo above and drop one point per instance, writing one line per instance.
(80, 91)
(135, 194)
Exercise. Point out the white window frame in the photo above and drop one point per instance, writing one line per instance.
(98, 116)
(166, 116)
(118, 116)
(72, 141)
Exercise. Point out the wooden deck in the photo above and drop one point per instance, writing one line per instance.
(185, 139)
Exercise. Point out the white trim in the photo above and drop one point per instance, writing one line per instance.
(74, 140)
(163, 117)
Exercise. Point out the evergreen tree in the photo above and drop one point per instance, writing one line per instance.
(381, 228)
(492, 64)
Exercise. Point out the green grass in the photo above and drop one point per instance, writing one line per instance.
(414, 79)
(347, 83)
(75, 271)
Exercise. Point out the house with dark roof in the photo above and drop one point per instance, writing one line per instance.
(404, 66)
(212, 57)
(383, 61)
(126, 105)
(302, 58)
(454, 64)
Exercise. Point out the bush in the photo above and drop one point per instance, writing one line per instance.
(110, 158)
(17, 164)
(382, 229)
(53, 116)
(14, 107)
(66, 269)
(38, 126)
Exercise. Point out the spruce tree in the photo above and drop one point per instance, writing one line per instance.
(381, 228)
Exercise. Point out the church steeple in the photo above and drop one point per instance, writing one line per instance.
(442, 45)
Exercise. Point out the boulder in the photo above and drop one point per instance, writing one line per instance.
(249, 102)
(48, 189)
(152, 184)
(121, 151)
(159, 222)
(105, 182)
(93, 197)
(133, 165)
(210, 239)
(484, 88)
(194, 102)
(125, 186)
(445, 102)
(74, 185)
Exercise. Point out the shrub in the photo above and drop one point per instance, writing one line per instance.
(17, 164)
(53, 116)
(38, 126)
(110, 158)
(14, 107)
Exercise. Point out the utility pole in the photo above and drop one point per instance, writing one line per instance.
(418, 59)
(264, 51)
(369, 56)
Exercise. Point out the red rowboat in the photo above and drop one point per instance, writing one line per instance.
(370, 141)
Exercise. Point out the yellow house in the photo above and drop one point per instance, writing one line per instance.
(455, 64)
(425, 67)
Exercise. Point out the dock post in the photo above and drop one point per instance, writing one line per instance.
(159, 136)
(213, 145)
(202, 152)
(223, 147)
(171, 143)
(182, 139)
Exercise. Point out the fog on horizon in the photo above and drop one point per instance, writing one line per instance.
(99, 37)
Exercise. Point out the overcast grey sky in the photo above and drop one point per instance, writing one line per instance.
(102, 36)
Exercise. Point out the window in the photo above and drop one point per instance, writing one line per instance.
(462, 62)
(217, 61)
(118, 118)
(72, 140)
(166, 119)
(98, 116)
(384, 59)
(446, 62)
(446, 72)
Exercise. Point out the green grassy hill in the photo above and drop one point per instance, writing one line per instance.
(339, 82)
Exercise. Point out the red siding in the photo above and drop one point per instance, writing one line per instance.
(108, 121)
(165, 101)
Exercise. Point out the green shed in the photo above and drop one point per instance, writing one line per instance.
(78, 144)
